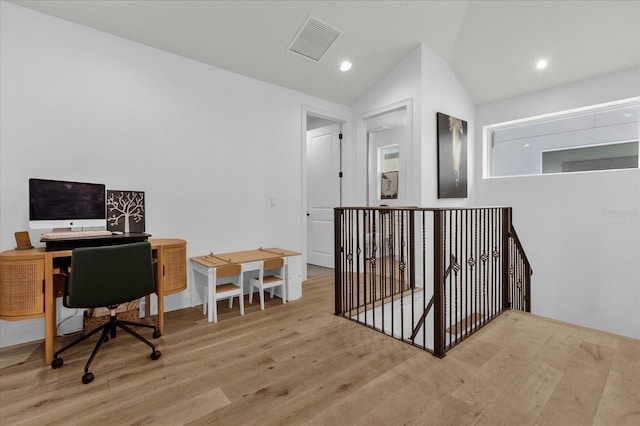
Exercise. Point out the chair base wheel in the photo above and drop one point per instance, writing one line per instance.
(156, 334)
(87, 378)
(155, 355)
(57, 363)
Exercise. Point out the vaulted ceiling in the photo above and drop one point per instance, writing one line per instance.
(492, 46)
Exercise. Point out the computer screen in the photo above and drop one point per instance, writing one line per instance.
(63, 204)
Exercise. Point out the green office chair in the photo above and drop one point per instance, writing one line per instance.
(106, 277)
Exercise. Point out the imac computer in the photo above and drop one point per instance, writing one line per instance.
(55, 204)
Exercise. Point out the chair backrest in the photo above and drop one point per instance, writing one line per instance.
(110, 275)
(228, 270)
(274, 263)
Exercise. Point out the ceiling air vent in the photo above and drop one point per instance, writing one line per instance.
(314, 39)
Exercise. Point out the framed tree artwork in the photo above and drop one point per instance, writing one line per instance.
(452, 157)
(125, 211)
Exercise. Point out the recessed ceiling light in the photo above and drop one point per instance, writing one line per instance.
(541, 64)
(345, 66)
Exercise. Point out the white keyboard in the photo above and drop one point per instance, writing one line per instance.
(73, 234)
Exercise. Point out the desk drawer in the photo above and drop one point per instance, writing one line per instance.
(21, 289)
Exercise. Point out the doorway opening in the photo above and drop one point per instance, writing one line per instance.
(387, 151)
(322, 184)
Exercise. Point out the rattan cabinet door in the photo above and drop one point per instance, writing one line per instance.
(174, 268)
(21, 289)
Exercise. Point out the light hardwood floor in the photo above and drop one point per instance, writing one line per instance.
(299, 364)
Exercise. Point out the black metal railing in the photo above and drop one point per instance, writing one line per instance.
(429, 277)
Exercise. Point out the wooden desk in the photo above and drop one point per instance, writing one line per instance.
(27, 283)
(218, 264)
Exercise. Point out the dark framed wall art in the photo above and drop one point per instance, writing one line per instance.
(125, 211)
(389, 186)
(452, 157)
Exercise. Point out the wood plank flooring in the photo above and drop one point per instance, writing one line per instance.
(299, 364)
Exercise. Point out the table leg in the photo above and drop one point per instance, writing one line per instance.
(159, 262)
(49, 310)
(211, 275)
(160, 294)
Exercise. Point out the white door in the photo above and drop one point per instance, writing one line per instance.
(323, 192)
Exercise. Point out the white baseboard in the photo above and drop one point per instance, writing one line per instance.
(17, 332)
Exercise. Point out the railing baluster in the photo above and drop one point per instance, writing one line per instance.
(439, 285)
(337, 270)
(455, 277)
(465, 280)
(504, 251)
(496, 268)
(447, 294)
(424, 277)
(357, 262)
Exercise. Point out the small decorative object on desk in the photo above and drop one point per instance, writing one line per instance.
(125, 211)
(23, 241)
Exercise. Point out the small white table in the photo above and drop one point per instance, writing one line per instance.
(215, 266)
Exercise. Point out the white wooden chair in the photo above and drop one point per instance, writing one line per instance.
(272, 274)
(227, 290)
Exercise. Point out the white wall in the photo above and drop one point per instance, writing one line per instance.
(428, 83)
(442, 92)
(581, 231)
(79, 104)
(401, 86)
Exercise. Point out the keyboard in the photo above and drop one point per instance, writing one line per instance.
(73, 234)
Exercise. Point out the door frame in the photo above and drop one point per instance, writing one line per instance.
(410, 151)
(336, 117)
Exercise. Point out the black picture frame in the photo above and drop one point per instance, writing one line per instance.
(452, 156)
(125, 211)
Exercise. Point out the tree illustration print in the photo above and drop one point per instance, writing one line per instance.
(125, 211)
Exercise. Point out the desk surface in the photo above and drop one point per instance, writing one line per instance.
(40, 252)
(220, 259)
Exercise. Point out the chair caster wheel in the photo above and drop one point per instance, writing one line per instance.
(57, 363)
(156, 334)
(87, 378)
(155, 355)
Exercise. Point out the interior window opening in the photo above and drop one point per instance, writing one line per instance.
(600, 137)
(390, 156)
